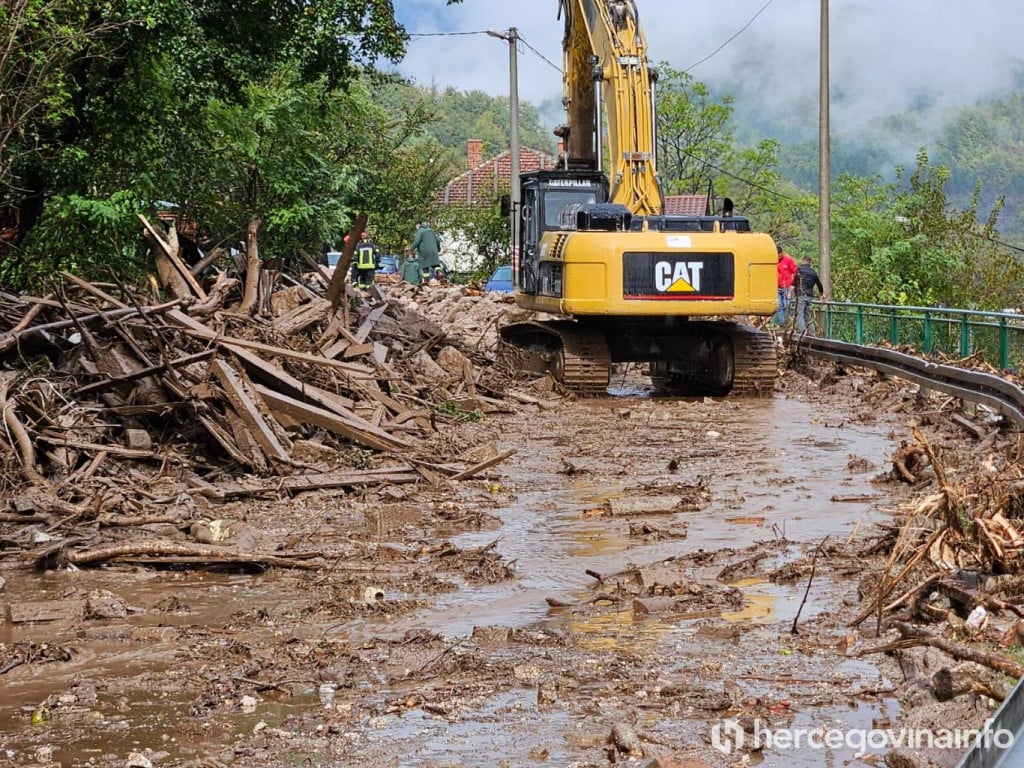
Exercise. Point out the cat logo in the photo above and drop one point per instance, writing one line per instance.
(680, 277)
(660, 276)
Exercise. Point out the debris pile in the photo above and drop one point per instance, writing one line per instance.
(121, 407)
(955, 563)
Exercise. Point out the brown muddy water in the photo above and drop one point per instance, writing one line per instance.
(782, 475)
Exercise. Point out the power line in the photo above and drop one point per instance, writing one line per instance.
(447, 34)
(740, 32)
(539, 55)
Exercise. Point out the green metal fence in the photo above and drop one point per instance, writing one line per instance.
(996, 337)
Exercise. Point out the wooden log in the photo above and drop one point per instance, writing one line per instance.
(253, 267)
(88, 287)
(217, 297)
(114, 381)
(114, 450)
(336, 288)
(8, 340)
(183, 279)
(303, 316)
(322, 481)
(197, 553)
(960, 651)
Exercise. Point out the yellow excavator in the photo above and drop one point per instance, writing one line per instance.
(594, 248)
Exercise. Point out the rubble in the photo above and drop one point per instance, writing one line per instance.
(121, 409)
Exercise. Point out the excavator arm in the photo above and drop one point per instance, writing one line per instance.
(608, 93)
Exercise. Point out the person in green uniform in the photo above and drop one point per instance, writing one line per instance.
(427, 248)
(410, 271)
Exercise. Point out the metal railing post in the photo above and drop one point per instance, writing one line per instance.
(894, 335)
(965, 336)
(1004, 345)
(927, 332)
(859, 325)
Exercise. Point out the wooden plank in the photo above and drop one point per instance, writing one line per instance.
(245, 406)
(322, 418)
(486, 464)
(225, 441)
(357, 350)
(646, 505)
(337, 348)
(380, 353)
(288, 385)
(371, 320)
(194, 328)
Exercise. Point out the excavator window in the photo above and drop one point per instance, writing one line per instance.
(555, 203)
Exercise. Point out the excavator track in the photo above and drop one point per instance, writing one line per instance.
(755, 365)
(575, 357)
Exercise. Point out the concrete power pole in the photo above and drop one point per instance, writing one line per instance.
(512, 37)
(824, 164)
(513, 100)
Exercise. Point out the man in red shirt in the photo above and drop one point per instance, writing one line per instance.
(787, 271)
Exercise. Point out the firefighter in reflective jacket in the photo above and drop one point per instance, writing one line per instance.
(366, 261)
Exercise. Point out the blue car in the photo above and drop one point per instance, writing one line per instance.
(388, 265)
(501, 280)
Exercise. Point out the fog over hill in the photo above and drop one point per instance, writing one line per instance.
(924, 57)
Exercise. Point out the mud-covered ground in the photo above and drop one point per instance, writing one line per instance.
(639, 572)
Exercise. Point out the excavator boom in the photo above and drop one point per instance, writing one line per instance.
(606, 71)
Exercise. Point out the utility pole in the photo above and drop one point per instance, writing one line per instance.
(824, 163)
(512, 37)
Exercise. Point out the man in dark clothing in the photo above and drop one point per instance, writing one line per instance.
(366, 260)
(805, 280)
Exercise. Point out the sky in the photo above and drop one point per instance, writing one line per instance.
(886, 56)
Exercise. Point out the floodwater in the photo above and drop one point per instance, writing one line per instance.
(777, 471)
(772, 470)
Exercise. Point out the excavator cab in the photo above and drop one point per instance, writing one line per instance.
(550, 200)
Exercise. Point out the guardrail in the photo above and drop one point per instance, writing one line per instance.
(995, 337)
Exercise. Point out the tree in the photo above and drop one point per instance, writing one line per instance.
(123, 119)
(694, 136)
(903, 243)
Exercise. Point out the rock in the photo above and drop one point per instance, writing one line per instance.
(492, 636)
(137, 760)
(224, 532)
(625, 740)
(102, 604)
(452, 361)
(138, 440)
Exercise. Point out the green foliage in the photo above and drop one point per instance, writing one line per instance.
(903, 243)
(464, 115)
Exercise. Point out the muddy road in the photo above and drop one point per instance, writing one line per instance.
(640, 576)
